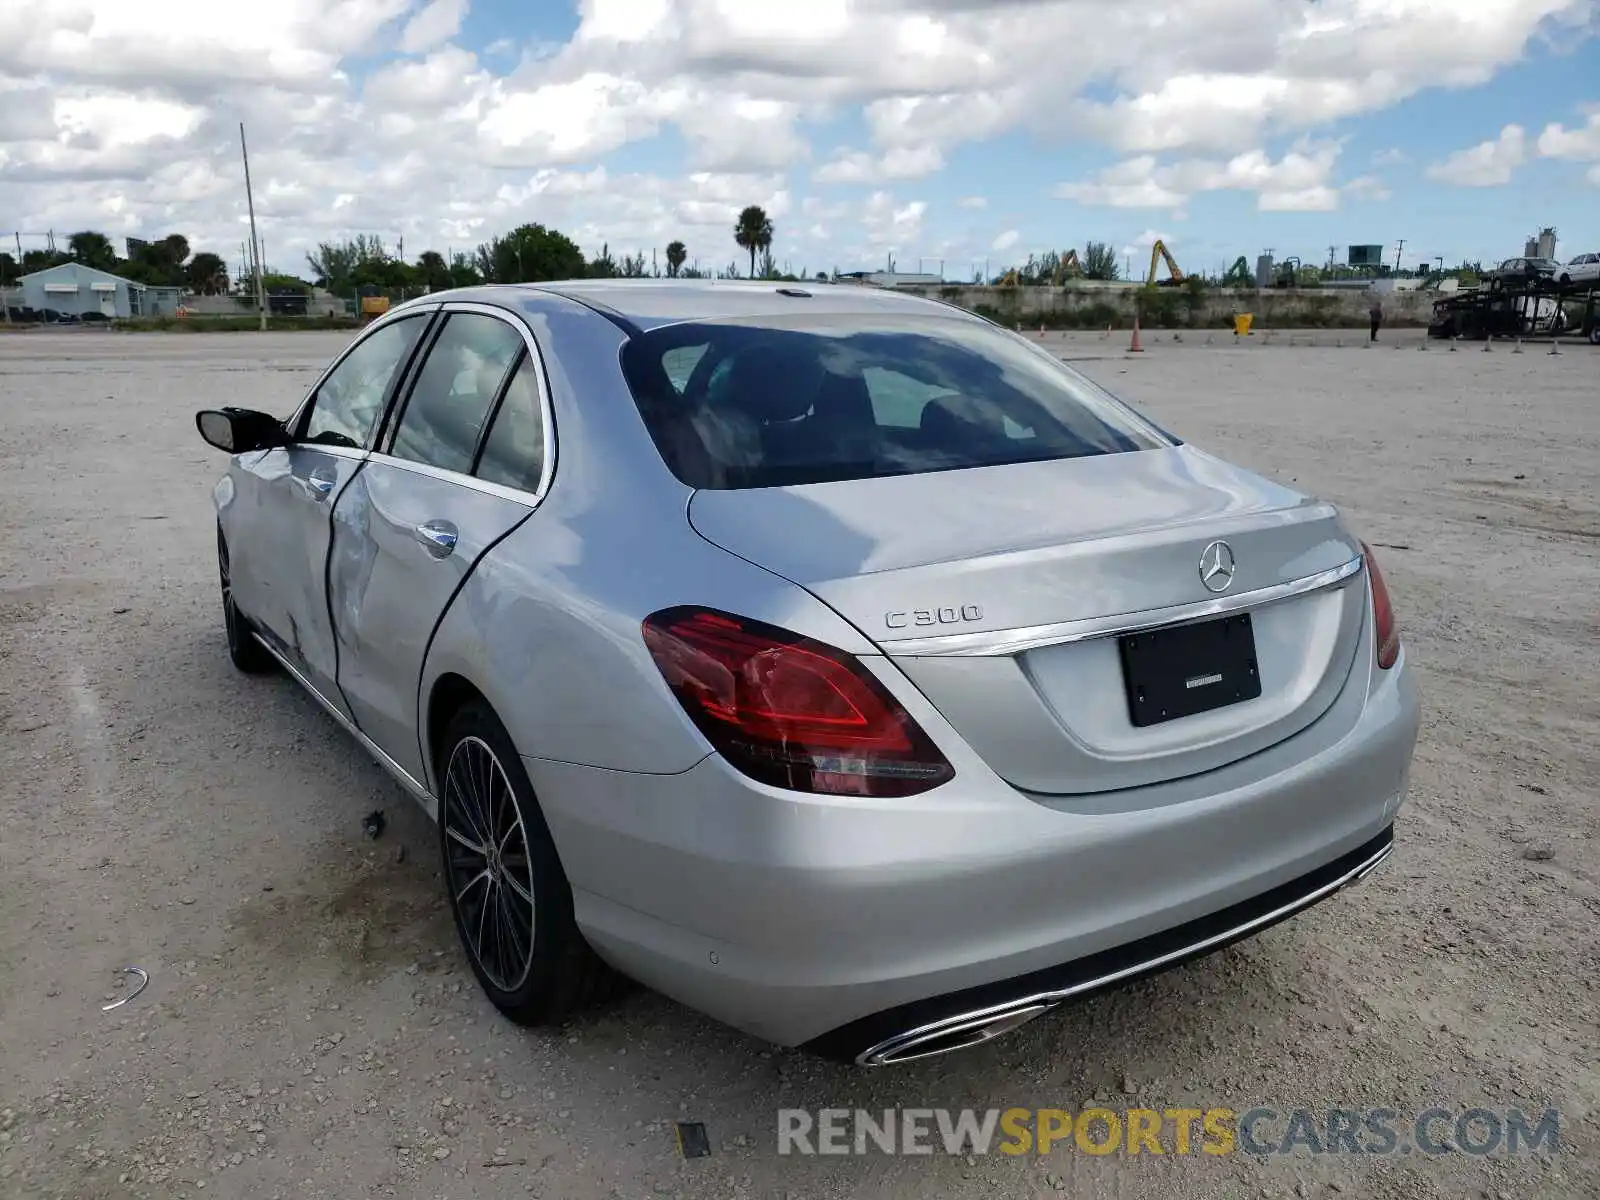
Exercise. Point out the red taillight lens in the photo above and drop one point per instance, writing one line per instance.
(791, 712)
(1388, 629)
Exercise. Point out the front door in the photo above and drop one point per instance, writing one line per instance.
(413, 524)
(286, 504)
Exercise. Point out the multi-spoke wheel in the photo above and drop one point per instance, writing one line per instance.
(247, 653)
(487, 865)
(510, 897)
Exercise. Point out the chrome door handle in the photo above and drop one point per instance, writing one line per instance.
(320, 482)
(437, 537)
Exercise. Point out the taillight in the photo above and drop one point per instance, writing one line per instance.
(791, 712)
(1388, 629)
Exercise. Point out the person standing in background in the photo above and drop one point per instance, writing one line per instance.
(1376, 315)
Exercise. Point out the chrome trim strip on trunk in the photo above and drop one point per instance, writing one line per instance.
(401, 776)
(1033, 637)
(903, 1046)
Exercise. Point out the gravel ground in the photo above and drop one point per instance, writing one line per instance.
(311, 1031)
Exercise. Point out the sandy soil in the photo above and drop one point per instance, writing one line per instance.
(311, 1031)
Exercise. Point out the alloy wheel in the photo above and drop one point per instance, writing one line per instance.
(488, 867)
(230, 614)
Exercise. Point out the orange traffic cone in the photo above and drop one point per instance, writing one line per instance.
(1134, 347)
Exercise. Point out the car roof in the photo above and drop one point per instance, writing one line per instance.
(651, 303)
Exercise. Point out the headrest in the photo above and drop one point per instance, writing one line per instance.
(770, 381)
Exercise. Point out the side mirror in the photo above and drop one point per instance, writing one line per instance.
(240, 430)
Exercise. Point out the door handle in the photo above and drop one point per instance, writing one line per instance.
(320, 482)
(437, 537)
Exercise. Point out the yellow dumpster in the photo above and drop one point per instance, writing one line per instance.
(1241, 324)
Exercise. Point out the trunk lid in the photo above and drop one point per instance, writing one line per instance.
(998, 592)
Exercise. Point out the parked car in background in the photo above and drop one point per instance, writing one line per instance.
(834, 661)
(1525, 270)
(1582, 268)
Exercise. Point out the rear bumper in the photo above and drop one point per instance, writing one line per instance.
(966, 1018)
(842, 922)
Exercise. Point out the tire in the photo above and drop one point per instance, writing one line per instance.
(1594, 334)
(513, 906)
(247, 654)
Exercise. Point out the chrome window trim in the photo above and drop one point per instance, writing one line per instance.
(530, 499)
(1035, 637)
(410, 309)
(546, 413)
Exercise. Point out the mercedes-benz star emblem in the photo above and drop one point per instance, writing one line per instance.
(1216, 567)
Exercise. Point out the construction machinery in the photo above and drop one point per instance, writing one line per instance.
(1285, 278)
(1067, 267)
(1158, 254)
(1239, 274)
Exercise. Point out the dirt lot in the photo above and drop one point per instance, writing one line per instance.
(311, 1031)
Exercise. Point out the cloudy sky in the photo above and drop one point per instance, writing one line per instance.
(954, 130)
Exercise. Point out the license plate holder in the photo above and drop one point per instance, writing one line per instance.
(1185, 670)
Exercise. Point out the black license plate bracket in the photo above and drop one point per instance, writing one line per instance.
(1185, 670)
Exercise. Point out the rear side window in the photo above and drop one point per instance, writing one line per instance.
(513, 453)
(459, 380)
(750, 404)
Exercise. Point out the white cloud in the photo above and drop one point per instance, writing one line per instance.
(437, 22)
(125, 114)
(972, 202)
(1368, 187)
(1488, 164)
(1578, 145)
(1297, 182)
(1392, 157)
(1006, 240)
(898, 162)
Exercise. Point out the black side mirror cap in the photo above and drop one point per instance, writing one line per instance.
(240, 430)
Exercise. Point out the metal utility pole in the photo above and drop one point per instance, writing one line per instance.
(1398, 253)
(249, 196)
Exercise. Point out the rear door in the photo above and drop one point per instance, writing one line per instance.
(460, 466)
(279, 545)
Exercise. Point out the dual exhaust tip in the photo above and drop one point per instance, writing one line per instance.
(965, 1030)
(957, 1033)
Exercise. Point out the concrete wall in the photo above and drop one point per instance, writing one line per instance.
(1088, 304)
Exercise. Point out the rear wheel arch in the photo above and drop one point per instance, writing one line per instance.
(449, 695)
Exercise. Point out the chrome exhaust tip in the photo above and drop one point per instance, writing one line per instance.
(953, 1033)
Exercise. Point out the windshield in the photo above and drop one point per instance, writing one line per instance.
(763, 403)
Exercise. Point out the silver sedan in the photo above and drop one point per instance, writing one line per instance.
(833, 661)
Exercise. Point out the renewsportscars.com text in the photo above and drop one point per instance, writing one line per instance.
(1380, 1132)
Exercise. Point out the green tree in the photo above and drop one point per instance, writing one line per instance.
(603, 266)
(530, 254)
(10, 269)
(462, 272)
(677, 255)
(434, 271)
(1100, 262)
(206, 274)
(42, 260)
(753, 232)
(92, 249)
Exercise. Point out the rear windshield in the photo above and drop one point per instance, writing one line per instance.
(752, 404)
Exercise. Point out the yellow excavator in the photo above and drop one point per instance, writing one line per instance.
(1067, 267)
(1159, 253)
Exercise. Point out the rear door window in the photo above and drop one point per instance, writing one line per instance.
(459, 380)
(513, 451)
(743, 403)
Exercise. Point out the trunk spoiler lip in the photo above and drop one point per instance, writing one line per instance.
(1005, 642)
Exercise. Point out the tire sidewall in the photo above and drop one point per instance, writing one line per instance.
(553, 921)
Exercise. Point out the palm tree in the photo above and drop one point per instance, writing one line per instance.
(677, 255)
(753, 232)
